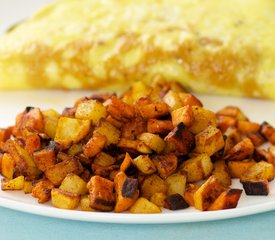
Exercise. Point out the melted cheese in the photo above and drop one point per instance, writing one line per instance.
(224, 47)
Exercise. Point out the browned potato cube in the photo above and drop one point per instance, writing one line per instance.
(228, 199)
(42, 190)
(256, 138)
(189, 99)
(32, 143)
(181, 139)
(202, 119)
(247, 126)
(127, 162)
(103, 159)
(8, 166)
(85, 203)
(197, 168)
(71, 130)
(153, 184)
(189, 193)
(159, 126)
(225, 122)
(153, 110)
(94, 145)
(166, 164)
(242, 150)
(175, 202)
(63, 199)
(176, 184)
(12, 184)
(101, 195)
(260, 170)
(238, 168)
(142, 205)
(158, 198)
(209, 141)
(59, 171)
(27, 187)
(131, 129)
(232, 111)
(184, 115)
(256, 187)
(44, 158)
(207, 193)
(5, 134)
(144, 164)
(74, 184)
(172, 99)
(268, 132)
(153, 141)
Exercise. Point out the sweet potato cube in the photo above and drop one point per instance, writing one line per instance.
(91, 110)
(181, 139)
(101, 192)
(94, 145)
(153, 110)
(189, 192)
(5, 134)
(42, 190)
(242, 150)
(268, 132)
(12, 184)
(74, 184)
(184, 115)
(256, 138)
(190, 99)
(159, 126)
(209, 141)
(245, 126)
(109, 131)
(126, 192)
(207, 193)
(127, 162)
(225, 122)
(44, 158)
(142, 205)
(228, 199)
(256, 187)
(59, 171)
(238, 168)
(232, 111)
(166, 164)
(63, 199)
(197, 168)
(71, 130)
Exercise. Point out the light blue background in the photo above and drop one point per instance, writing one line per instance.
(16, 225)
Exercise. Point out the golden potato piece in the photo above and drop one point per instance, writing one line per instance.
(12, 184)
(63, 199)
(184, 115)
(176, 184)
(221, 173)
(153, 184)
(153, 141)
(145, 164)
(142, 205)
(238, 168)
(74, 184)
(42, 190)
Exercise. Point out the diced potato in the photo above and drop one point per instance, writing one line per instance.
(144, 164)
(184, 115)
(91, 110)
(32, 143)
(143, 148)
(94, 145)
(159, 126)
(232, 111)
(232, 136)
(209, 141)
(42, 190)
(158, 198)
(12, 184)
(228, 199)
(85, 203)
(202, 119)
(109, 131)
(153, 184)
(130, 145)
(5, 134)
(247, 126)
(166, 164)
(101, 196)
(153, 141)
(242, 150)
(189, 99)
(103, 159)
(59, 171)
(153, 110)
(221, 173)
(8, 166)
(256, 187)
(131, 129)
(44, 158)
(127, 162)
(71, 130)
(116, 123)
(63, 199)
(142, 205)
(207, 193)
(176, 184)
(173, 100)
(256, 138)
(181, 139)
(225, 122)
(238, 168)
(74, 184)
(197, 168)
(190, 190)
(50, 122)
(126, 192)
(120, 110)
(260, 170)
(27, 187)
(268, 132)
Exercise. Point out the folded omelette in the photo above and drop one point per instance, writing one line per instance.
(210, 46)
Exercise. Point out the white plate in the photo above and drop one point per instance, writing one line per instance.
(12, 103)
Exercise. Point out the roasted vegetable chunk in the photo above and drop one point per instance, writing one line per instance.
(256, 187)
(142, 205)
(101, 196)
(42, 190)
(175, 202)
(63, 199)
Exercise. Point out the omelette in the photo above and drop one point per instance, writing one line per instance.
(210, 46)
